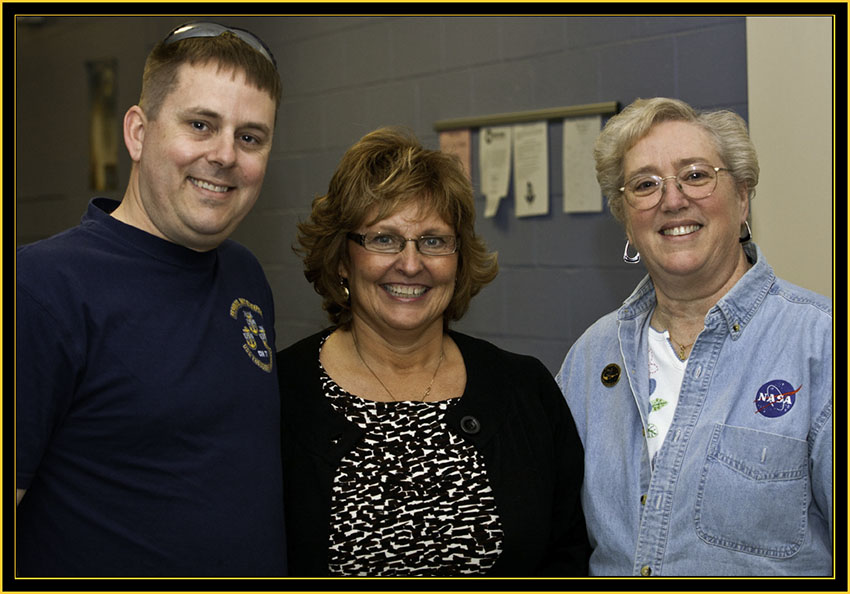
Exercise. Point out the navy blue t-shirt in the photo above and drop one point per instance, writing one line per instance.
(147, 408)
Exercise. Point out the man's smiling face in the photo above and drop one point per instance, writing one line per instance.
(201, 162)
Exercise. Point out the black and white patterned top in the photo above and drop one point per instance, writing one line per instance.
(412, 498)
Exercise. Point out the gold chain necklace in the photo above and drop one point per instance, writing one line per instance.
(383, 385)
(682, 348)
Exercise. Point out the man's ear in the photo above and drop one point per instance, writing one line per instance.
(135, 122)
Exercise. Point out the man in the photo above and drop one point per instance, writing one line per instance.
(147, 406)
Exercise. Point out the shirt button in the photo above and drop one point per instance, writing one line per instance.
(470, 425)
(643, 499)
(646, 571)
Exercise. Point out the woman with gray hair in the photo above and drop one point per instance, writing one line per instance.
(704, 403)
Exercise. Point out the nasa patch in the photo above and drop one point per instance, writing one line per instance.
(775, 398)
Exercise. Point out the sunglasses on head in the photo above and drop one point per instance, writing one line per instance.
(208, 29)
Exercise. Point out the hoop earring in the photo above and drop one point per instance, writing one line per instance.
(748, 236)
(344, 285)
(630, 259)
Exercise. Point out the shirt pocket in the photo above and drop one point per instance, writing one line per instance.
(753, 493)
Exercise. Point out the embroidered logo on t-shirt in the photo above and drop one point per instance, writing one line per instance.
(254, 334)
(775, 398)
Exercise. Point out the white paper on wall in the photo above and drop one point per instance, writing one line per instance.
(581, 191)
(494, 155)
(531, 169)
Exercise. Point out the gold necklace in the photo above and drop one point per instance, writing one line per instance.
(682, 348)
(383, 385)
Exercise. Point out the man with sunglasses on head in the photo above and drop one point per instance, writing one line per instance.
(147, 404)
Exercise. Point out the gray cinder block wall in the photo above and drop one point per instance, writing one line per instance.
(346, 75)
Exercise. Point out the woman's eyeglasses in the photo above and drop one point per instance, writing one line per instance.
(387, 243)
(695, 181)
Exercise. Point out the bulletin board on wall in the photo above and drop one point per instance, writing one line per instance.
(515, 146)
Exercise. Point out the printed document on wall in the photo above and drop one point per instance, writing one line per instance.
(581, 191)
(494, 156)
(457, 142)
(531, 169)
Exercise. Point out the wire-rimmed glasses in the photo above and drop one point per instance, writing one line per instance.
(696, 181)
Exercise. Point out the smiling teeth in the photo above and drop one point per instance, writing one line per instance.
(404, 290)
(208, 186)
(682, 230)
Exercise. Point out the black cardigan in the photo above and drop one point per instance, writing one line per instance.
(511, 410)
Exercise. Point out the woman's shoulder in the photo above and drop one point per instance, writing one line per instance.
(602, 330)
(306, 341)
(302, 351)
(478, 351)
(795, 295)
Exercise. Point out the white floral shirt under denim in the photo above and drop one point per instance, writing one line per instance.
(742, 484)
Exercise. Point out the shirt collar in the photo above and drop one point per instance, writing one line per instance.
(642, 300)
(99, 214)
(742, 301)
(737, 307)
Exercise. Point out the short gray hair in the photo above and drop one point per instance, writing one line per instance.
(726, 128)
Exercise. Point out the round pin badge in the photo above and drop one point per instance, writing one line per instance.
(610, 375)
(775, 398)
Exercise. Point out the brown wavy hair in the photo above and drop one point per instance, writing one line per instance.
(384, 171)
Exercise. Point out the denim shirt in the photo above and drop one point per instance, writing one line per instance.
(742, 484)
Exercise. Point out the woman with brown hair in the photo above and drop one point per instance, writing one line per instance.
(410, 449)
